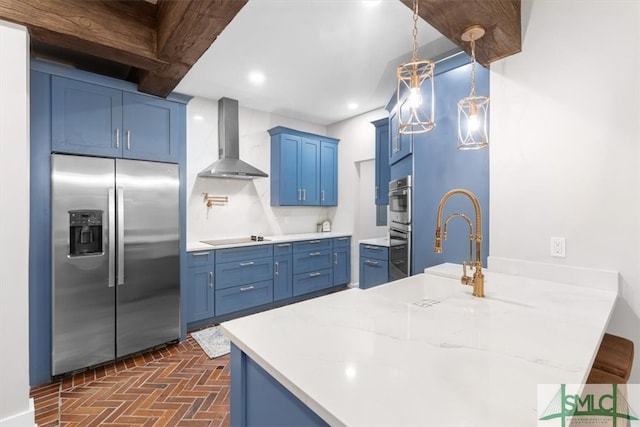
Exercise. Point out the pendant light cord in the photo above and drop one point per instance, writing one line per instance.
(473, 67)
(415, 31)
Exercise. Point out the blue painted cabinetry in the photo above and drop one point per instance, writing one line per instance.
(282, 271)
(382, 161)
(400, 145)
(200, 289)
(98, 120)
(341, 260)
(312, 266)
(374, 265)
(304, 168)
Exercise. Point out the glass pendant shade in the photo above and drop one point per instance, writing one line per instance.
(473, 123)
(415, 96)
(473, 111)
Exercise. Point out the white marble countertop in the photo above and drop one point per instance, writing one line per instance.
(374, 358)
(200, 246)
(377, 241)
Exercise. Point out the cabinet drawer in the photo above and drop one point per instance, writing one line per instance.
(244, 253)
(339, 242)
(312, 281)
(243, 297)
(373, 251)
(282, 248)
(311, 245)
(198, 258)
(229, 274)
(312, 260)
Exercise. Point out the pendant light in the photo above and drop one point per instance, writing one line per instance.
(473, 110)
(415, 94)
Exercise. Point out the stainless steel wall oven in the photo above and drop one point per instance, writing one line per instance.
(400, 228)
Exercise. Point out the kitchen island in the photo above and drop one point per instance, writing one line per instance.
(417, 351)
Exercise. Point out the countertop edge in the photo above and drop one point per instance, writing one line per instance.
(193, 246)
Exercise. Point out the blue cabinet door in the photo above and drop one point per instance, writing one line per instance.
(282, 277)
(309, 171)
(312, 281)
(288, 191)
(200, 293)
(341, 265)
(382, 162)
(328, 174)
(86, 118)
(244, 297)
(150, 128)
(400, 145)
(373, 272)
(229, 274)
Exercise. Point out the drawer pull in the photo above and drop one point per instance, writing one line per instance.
(372, 262)
(199, 253)
(247, 288)
(342, 238)
(284, 245)
(244, 264)
(315, 241)
(372, 248)
(314, 274)
(211, 279)
(314, 253)
(277, 268)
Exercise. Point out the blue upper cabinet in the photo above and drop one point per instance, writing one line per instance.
(400, 145)
(97, 120)
(328, 174)
(382, 161)
(304, 168)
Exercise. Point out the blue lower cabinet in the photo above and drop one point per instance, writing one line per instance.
(243, 297)
(200, 298)
(312, 260)
(341, 261)
(374, 265)
(282, 277)
(312, 281)
(229, 274)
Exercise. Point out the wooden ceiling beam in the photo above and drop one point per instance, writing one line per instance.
(185, 30)
(119, 31)
(500, 19)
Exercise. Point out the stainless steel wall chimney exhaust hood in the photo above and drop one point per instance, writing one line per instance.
(229, 164)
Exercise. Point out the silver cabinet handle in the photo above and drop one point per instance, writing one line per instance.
(342, 238)
(284, 245)
(304, 194)
(373, 248)
(247, 288)
(112, 236)
(277, 269)
(314, 241)
(120, 207)
(322, 195)
(335, 258)
(372, 262)
(117, 138)
(199, 253)
(244, 264)
(128, 139)
(299, 194)
(314, 253)
(314, 274)
(211, 279)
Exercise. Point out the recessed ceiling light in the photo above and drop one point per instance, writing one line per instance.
(352, 106)
(256, 77)
(198, 118)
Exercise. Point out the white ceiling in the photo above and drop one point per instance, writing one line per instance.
(317, 57)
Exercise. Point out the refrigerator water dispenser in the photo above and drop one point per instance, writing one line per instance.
(85, 232)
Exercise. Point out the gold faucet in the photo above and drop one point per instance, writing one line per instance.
(477, 281)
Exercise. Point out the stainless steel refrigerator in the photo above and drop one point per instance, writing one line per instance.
(115, 270)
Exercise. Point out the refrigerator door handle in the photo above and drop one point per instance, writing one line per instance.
(112, 237)
(120, 206)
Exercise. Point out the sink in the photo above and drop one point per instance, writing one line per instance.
(218, 242)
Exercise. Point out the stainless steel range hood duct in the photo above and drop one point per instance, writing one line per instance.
(229, 164)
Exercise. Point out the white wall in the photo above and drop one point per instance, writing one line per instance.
(565, 144)
(16, 409)
(356, 190)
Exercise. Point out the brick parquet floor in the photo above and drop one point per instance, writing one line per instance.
(173, 386)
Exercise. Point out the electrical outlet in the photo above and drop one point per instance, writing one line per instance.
(558, 247)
